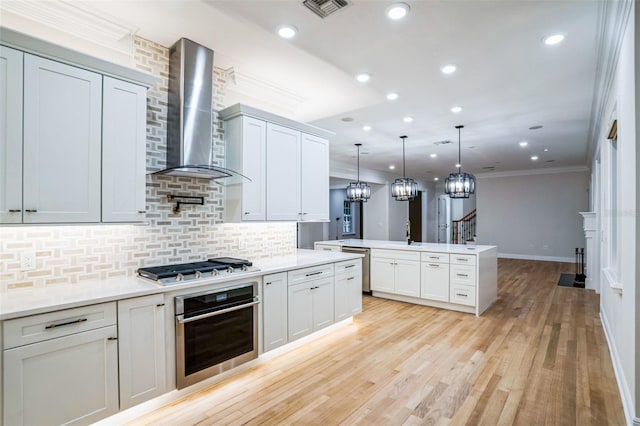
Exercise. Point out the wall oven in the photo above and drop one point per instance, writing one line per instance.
(216, 330)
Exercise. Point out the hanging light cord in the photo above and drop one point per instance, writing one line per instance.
(358, 163)
(404, 172)
(459, 162)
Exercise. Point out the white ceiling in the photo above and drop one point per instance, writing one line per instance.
(507, 79)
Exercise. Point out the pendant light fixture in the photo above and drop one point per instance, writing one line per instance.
(358, 191)
(460, 185)
(404, 189)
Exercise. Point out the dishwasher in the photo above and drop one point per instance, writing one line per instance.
(366, 287)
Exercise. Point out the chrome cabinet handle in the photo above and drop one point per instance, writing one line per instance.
(112, 338)
(349, 266)
(15, 210)
(462, 260)
(435, 265)
(182, 320)
(351, 278)
(434, 257)
(78, 321)
(31, 211)
(313, 273)
(462, 295)
(462, 275)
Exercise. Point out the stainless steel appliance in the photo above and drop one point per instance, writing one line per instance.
(213, 268)
(216, 330)
(366, 285)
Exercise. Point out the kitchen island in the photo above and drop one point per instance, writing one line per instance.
(459, 277)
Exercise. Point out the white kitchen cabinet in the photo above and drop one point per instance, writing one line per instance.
(310, 306)
(283, 173)
(348, 289)
(141, 349)
(62, 142)
(314, 172)
(326, 247)
(124, 121)
(11, 66)
(274, 310)
(434, 279)
(395, 271)
(245, 153)
(61, 367)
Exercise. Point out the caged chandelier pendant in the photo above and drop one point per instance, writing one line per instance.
(404, 189)
(460, 185)
(358, 191)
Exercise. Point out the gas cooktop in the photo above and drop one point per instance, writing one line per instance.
(177, 273)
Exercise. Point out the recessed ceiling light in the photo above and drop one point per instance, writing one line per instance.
(553, 39)
(456, 109)
(287, 31)
(366, 128)
(436, 179)
(546, 150)
(448, 69)
(363, 77)
(392, 167)
(347, 119)
(397, 11)
(407, 119)
(523, 143)
(534, 157)
(392, 96)
(535, 127)
(433, 155)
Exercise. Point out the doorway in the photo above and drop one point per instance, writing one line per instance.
(444, 219)
(415, 218)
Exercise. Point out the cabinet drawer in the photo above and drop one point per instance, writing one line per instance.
(463, 259)
(327, 247)
(37, 328)
(396, 254)
(306, 274)
(348, 266)
(435, 257)
(462, 294)
(462, 274)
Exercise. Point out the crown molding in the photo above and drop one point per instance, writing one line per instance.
(614, 17)
(533, 172)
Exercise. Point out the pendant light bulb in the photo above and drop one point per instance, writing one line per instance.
(358, 191)
(460, 185)
(404, 189)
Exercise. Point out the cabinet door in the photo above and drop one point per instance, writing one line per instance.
(10, 135)
(141, 349)
(62, 138)
(408, 277)
(68, 380)
(124, 124)
(300, 305)
(348, 295)
(354, 289)
(283, 173)
(314, 177)
(435, 281)
(383, 274)
(274, 310)
(323, 302)
(254, 146)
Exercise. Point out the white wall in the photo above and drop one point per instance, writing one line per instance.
(376, 213)
(398, 216)
(533, 216)
(620, 309)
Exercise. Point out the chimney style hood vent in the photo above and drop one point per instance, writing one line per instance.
(189, 118)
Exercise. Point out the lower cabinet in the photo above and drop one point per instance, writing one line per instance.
(141, 349)
(274, 310)
(435, 281)
(395, 271)
(310, 306)
(61, 367)
(348, 289)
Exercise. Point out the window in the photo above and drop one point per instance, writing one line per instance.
(347, 223)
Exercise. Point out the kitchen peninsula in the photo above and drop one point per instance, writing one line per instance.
(450, 276)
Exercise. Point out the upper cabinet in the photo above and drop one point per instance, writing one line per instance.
(287, 162)
(11, 71)
(72, 139)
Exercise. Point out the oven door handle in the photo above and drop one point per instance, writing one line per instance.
(182, 320)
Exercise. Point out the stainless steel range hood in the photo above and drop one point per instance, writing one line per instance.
(189, 118)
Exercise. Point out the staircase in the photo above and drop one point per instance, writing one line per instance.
(464, 229)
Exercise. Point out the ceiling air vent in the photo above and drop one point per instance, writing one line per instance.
(324, 8)
(442, 143)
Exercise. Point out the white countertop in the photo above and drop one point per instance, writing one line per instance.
(23, 302)
(402, 245)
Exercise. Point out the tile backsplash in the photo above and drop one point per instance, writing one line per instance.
(70, 254)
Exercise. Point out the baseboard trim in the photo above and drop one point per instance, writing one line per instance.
(623, 387)
(534, 257)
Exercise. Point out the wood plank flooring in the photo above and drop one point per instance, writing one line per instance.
(537, 356)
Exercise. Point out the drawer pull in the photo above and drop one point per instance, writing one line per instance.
(435, 265)
(462, 275)
(112, 338)
(314, 273)
(462, 260)
(349, 266)
(434, 257)
(142, 211)
(327, 249)
(462, 295)
(78, 321)
(160, 304)
(313, 288)
(14, 210)
(351, 278)
(269, 283)
(246, 213)
(31, 211)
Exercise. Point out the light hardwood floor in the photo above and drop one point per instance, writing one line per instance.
(537, 356)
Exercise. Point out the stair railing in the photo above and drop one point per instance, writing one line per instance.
(464, 229)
